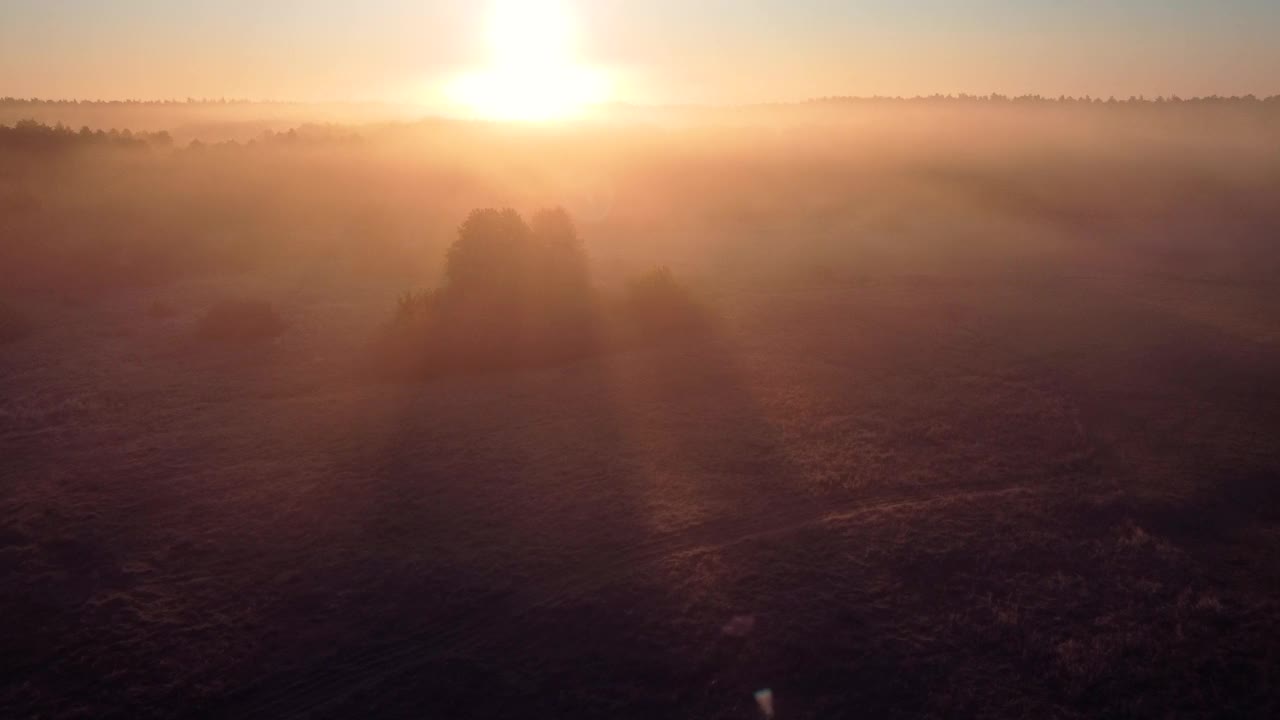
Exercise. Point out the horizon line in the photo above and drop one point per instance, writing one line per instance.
(961, 96)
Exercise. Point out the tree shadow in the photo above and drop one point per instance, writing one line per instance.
(519, 527)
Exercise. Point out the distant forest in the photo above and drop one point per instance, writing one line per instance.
(852, 189)
(1273, 100)
(39, 125)
(30, 135)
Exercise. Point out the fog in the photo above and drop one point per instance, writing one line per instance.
(842, 189)
(909, 408)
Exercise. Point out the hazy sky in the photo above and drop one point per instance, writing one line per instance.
(708, 51)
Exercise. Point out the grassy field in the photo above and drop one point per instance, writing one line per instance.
(940, 495)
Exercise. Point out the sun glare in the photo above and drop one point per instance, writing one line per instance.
(535, 75)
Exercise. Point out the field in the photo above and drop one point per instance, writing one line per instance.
(971, 433)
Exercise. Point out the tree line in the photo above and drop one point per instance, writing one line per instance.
(1250, 99)
(32, 135)
(998, 99)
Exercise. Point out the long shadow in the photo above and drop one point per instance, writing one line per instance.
(518, 545)
(1188, 410)
(468, 497)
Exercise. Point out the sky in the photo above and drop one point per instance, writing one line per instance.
(652, 51)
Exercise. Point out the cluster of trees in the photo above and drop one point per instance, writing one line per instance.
(519, 293)
(514, 292)
(32, 135)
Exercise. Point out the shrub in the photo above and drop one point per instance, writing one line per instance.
(241, 321)
(656, 305)
(415, 305)
(12, 325)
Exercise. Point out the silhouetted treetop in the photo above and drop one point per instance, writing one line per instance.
(494, 249)
(499, 255)
(36, 136)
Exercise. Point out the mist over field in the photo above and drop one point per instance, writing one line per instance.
(939, 407)
(860, 188)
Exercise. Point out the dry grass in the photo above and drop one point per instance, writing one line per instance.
(923, 518)
(241, 321)
(12, 325)
(968, 434)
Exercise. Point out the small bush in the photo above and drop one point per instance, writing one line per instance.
(416, 305)
(241, 321)
(12, 325)
(657, 305)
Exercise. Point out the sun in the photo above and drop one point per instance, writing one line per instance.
(535, 75)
